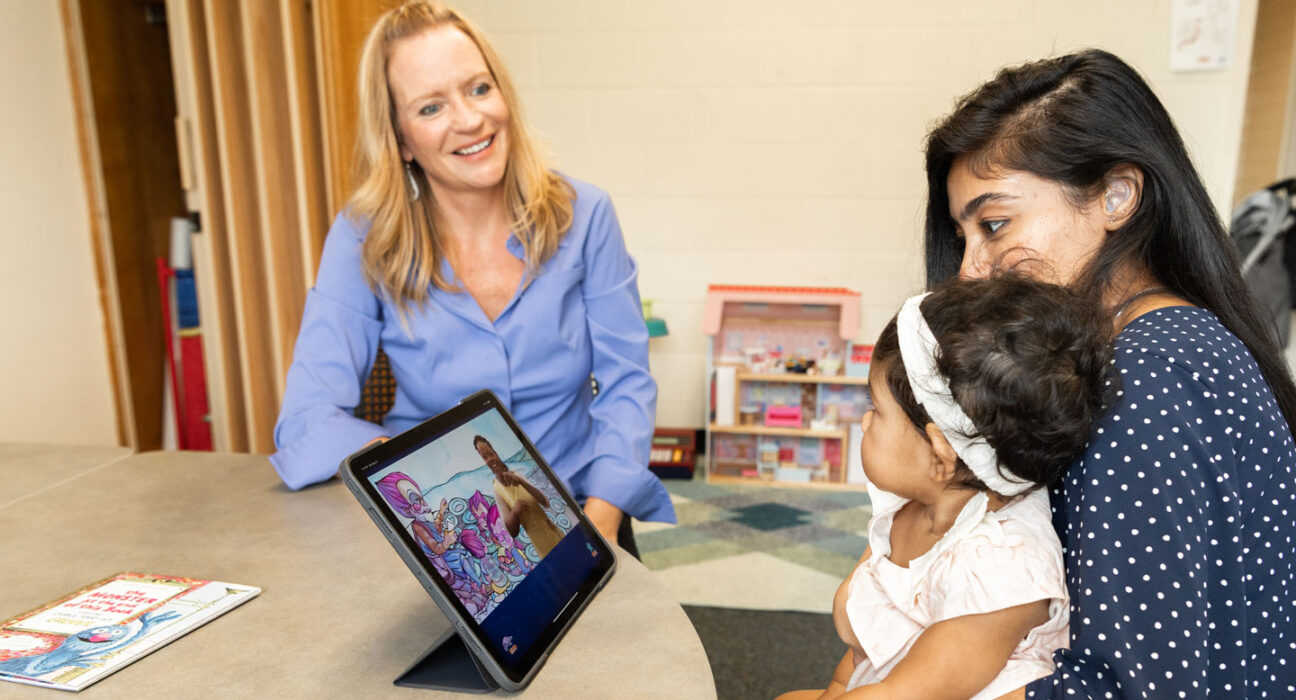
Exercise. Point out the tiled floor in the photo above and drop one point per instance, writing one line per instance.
(756, 546)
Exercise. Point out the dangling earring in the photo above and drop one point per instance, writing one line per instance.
(413, 183)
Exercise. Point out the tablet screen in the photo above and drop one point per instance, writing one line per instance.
(484, 514)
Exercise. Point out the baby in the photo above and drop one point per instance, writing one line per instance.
(983, 391)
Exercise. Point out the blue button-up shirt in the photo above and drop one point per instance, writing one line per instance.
(580, 314)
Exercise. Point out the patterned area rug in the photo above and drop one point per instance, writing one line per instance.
(756, 547)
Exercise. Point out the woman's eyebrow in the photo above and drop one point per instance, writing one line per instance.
(413, 101)
(977, 202)
(439, 91)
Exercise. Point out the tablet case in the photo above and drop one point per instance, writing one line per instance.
(454, 662)
(448, 665)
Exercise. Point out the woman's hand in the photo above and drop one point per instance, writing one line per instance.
(605, 516)
(508, 479)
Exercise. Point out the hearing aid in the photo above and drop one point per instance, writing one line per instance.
(1117, 194)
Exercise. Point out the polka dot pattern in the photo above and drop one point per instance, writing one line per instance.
(1178, 526)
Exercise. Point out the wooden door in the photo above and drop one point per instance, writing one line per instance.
(265, 95)
(242, 113)
(121, 77)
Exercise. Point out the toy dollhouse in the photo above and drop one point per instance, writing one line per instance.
(781, 407)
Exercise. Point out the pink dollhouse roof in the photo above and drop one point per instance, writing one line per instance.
(718, 294)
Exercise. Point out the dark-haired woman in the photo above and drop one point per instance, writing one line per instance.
(1179, 521)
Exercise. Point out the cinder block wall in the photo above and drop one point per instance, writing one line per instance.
(763, 142)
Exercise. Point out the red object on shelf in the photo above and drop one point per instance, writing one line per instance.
(858, 360)
(783, 417)
(833, 452)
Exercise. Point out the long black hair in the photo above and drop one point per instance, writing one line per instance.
(1073, 120)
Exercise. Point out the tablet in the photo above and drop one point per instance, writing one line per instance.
(486, 527)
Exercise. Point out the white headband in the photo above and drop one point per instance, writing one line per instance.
(918, 347)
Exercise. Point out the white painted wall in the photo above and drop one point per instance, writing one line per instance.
(778, 142)
(53, 359)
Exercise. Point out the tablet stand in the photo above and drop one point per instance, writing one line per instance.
(448, 665)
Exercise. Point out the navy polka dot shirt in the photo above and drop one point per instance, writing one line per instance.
(1179, 526)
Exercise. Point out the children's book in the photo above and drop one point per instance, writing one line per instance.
(76, 640)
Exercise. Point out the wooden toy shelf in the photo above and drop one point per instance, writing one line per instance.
(788, 432)
(774, 427)
(801, 378)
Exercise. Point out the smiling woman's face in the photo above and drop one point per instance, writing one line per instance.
(1008, 217)
(452, 118)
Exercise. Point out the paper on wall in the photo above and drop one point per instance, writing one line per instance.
(1201, 34)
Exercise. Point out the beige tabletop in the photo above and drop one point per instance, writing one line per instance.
(339, 614)
(28, 469)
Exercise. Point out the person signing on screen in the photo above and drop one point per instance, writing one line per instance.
(520, 503)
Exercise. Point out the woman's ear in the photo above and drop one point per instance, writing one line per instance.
(944, 458)
(1122, 192)
(406, 154)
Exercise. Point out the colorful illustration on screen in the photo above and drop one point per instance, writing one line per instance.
(495, 518)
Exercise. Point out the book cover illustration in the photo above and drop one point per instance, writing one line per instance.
(90, 633)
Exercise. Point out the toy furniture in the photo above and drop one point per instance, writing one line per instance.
(783, 417)
(674, 453)
(779, 353)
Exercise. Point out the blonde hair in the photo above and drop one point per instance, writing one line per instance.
(401, 255)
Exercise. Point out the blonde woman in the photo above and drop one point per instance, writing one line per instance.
(476, 267)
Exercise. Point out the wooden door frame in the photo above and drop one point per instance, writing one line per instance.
(119, 71)
(100, 228)
(1287, 161)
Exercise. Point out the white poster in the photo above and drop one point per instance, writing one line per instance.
(1201, 34)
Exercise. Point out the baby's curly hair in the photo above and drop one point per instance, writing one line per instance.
(1026, 360)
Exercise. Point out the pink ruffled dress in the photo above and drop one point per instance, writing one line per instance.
(987, 561)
